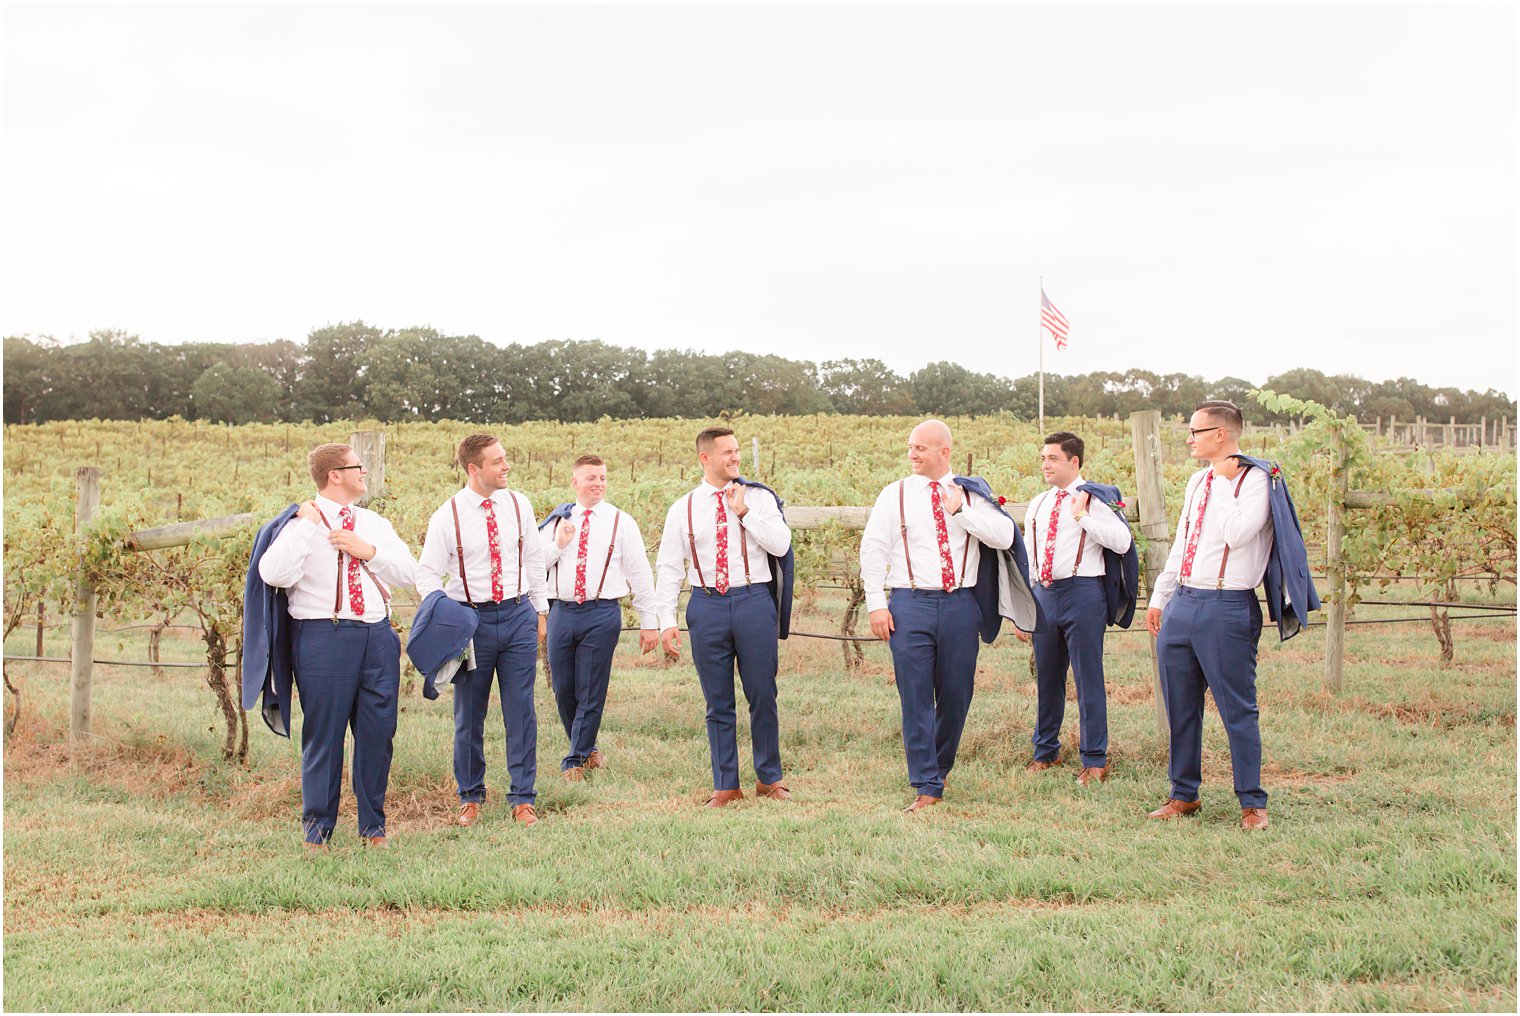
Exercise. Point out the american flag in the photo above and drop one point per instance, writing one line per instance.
(1053, 320)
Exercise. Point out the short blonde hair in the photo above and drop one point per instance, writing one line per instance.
(323, 459)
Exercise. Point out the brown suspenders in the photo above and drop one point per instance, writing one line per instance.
(606, 565)
(902, 525)
(459, 548)
(385, 597)
(1187, 523)
(1034, 541)
(691, 540)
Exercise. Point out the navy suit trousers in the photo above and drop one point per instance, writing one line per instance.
(1076, 613)
(739, 627)
(506, 646)
(349, 677)
(581, 640)
(934, 646)
(1208, 639)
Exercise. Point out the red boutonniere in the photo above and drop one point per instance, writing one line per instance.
(1120, 504)
(1275, 470)
(1002, 499)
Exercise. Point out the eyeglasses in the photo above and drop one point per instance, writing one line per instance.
(356, 465)
(1195, 431)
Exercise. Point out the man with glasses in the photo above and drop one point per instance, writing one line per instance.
(482, 549)
(337, 563)
(1237, 528)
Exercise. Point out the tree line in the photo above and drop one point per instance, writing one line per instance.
(357, 371)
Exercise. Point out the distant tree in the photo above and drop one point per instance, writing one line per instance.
(948, 389)
(228, 394)
(332, 387)
(864, 387)
(29, 379)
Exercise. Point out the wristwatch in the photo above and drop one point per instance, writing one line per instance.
(1079, 516)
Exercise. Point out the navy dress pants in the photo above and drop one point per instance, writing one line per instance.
(581, 640)
(1208, 639)
(348, 676)
(934, 646)
(506, 646)
(738, 627)
(1076, 614)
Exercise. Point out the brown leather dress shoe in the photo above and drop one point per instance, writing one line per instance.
(469, 812)
(378, 842)
(1253, 818)
(595, 759)
(1174, 808)
(574, 773)
(775, 791)
(921, 802)
(722, 797)
(1092, 774)
(1038, 766)
(525, 814)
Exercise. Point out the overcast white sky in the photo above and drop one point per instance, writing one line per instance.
(1211, 189)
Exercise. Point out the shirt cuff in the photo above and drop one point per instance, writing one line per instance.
(647, 621)
(668, 621)
(876, 599)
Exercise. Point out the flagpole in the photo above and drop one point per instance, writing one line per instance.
(1040, 334)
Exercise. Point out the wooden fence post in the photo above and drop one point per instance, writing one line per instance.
(755, 454)
(369, 446)
(1335, 570)
(82, 653)
(1145, 426)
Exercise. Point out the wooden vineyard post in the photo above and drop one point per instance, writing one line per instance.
(82, 653)
(369, 445)
(1335, 570)
(1145, 427)
(755, 453)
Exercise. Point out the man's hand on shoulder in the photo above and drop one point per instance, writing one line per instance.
(954, 498)
(310, 513)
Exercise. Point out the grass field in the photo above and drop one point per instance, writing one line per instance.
(142, 873)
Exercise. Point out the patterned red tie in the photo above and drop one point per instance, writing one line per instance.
(1048, 564)
(355, 590)
(493, 539)
(1192, 542)
(946, 562)
(722, 568)
(580, 559)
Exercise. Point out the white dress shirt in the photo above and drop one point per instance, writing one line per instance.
(763, 531)
(1243, 524)
(882, 564)
(1102, 526)
(305, 565)
(438, 565)
(627, 570)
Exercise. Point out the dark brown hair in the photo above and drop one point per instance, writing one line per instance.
(1226, 414)
(1071, 445)
(471, 449)
(707, 437)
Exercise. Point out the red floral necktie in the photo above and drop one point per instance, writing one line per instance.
(722, 565)
(1048, 564)
(946, 562)
(1192, 542)
(580, 558)
(355, 590)
(493, 539)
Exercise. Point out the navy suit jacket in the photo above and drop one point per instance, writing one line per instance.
(995, 567)
(440, 630)
(267, 665)
(1121, 572)
(783, 569)
(1290, 590)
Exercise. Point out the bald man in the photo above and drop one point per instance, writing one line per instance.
(923, 543)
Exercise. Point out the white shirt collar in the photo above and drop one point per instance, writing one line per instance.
(709, 490)
(924, 481)
(468, 496)
(331, 508)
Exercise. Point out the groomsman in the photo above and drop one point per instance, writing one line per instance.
(726, 538)
(337, 562)
(482, 550)
(1068, 530)
(924, 542)
(595, 555)
(1238, 528)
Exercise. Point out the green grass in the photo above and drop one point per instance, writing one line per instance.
(142, 873)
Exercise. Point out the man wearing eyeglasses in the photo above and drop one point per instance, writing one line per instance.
(482, 549)
(1205, 614)
(337, 563)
